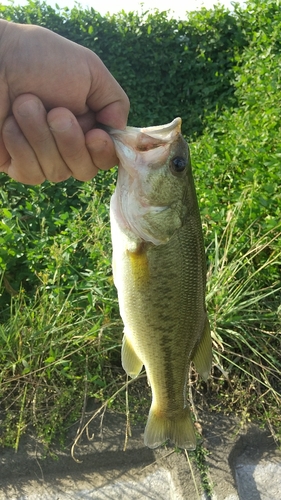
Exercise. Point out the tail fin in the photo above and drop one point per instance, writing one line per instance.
(179, 430)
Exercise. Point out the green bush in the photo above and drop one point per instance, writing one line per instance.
(167, 67)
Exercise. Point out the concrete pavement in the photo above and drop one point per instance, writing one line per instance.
(243, 464)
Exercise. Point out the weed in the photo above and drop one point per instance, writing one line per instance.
(244, 318)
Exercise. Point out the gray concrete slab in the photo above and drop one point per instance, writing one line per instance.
(259, 481)
(242, 459)
(156, 485)
(243, 464)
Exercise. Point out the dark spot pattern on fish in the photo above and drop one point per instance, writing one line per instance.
(169, 382)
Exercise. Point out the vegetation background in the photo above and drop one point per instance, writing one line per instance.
(60, 331)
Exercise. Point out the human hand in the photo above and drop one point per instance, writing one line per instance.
(53, 94)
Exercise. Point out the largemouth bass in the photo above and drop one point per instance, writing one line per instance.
(160, 274)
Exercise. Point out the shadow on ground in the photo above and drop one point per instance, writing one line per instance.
(106, 471)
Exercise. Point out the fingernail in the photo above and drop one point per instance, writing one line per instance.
(28, 108)
(60, 124)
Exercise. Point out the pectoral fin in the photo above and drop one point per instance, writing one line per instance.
(130, 361)
(202, 357)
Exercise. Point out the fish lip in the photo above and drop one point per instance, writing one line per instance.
(158, 130)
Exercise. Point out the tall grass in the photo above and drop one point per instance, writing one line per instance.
(243, 300)
(48, 352)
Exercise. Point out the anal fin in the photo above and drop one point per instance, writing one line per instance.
(202, 357)
(130, 361)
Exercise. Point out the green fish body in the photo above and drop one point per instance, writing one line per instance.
(160, 274)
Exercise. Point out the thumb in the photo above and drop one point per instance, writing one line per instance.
(106, 97)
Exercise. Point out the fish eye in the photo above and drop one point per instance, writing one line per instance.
(178, 164)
